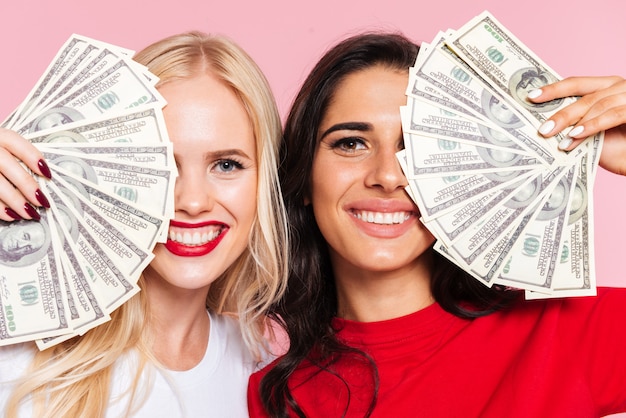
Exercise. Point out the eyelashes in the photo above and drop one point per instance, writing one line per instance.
(349, 144)
(228, 165)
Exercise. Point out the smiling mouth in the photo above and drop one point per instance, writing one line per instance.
(187, 241)
(194, 236)
(382, 218)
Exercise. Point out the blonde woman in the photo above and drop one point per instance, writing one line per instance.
(175, 349)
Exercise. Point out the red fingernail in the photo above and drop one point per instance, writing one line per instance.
(31, 211)
(41, 198)
(13, 214)
(43, 167)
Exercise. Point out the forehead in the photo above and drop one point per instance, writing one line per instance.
(204, 112)
(367, 93)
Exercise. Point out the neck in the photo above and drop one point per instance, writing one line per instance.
(368, 296)
(179, 324)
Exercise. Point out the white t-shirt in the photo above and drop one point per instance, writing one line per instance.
(216, 387)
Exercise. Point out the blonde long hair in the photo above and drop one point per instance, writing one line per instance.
(73, 378)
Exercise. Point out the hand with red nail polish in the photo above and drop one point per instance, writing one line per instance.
(32, 212)
(17, 185)
(12, 214)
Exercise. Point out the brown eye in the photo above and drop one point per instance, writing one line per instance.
(349, 144)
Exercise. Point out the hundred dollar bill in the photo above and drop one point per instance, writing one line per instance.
(491, 253)
(82, 53)
(8, 122)
(474, 241)
(119, 87)
(506, 64)
(490, 259)
(438, 196)
(140, 125)
(431, 157)
(112, 285)
(420, 89)
(32, 294)
(448, 73)
(594, 149)
(122, 250)
(72, 312)
(145, 228)
(145, 187)
(534, 256)
(90, 313)
(150, 155)
(84, 307)
(401, 156)
(489, 232)
(85, 66)
(426, 119)
(423, 91)
(574, 273)
(73, 47)
(98, 62)
(451, 224)
(440, 76)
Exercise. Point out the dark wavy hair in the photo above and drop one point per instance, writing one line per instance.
(310, 303)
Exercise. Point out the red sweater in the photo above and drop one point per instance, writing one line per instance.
(553, 358)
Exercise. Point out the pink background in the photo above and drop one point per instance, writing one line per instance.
(287, 37)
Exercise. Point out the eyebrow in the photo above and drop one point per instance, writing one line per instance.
(348, 126)
(227, 153)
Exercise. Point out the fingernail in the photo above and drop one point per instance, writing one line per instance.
(31, 211)
(547, 127)
(43, 167)
(564, 143)
(13, 214)
(576, 131)
(533, 94)
(41, 198)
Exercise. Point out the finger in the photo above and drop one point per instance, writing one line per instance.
(8, 214)
(603, 115)
(24, 151)
(12, 199)
(608, 121)
(16, 184)
(572, 86)
(585, 109)
(607, 113)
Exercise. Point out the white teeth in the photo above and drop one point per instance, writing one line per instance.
(383, 218)
(194, 237)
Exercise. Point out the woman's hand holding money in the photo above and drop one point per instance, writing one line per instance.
(602, 106)
(19, 191)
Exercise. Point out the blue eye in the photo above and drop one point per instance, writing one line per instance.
(228, 166)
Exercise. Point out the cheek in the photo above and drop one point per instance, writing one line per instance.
(242, 197)
(331, 180)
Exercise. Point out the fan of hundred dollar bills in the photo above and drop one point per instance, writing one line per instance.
(503, 202)
(98, 120)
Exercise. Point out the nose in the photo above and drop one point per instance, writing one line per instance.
(385, 171)
(193, 192)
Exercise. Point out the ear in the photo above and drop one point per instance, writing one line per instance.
(306, 200)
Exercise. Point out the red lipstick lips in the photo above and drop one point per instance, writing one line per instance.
(194, 240)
